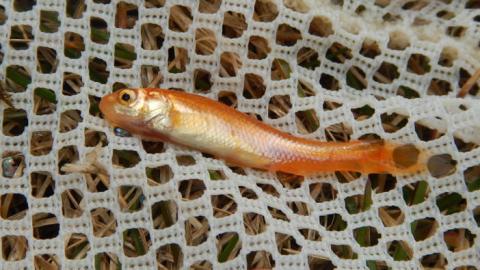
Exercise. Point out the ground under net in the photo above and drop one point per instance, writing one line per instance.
(75, 193)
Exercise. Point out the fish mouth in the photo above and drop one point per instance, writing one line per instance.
(106, 108)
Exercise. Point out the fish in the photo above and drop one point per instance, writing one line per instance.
(202, 124)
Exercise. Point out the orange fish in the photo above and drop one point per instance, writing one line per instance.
(211, 127)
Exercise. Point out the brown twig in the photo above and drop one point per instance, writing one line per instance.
(469, 84)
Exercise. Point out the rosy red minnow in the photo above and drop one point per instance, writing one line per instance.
(211, 127)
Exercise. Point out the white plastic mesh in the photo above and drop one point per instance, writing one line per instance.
(399, 32)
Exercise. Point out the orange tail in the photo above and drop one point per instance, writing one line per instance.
(358, 156)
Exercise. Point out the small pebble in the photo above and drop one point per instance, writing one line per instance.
(9, 167)
(121, 132)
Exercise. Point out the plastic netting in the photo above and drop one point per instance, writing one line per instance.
(331, 70)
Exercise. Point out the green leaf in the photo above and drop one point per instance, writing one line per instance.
(420, 192)
(46, 94)
(18, 77)
(228, 248)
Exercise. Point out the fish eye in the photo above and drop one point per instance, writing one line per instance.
(127, 96)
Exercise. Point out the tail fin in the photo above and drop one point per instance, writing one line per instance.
(387, 157)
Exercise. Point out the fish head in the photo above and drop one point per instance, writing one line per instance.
(136, 110)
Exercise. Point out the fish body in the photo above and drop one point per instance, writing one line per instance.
(209, 126)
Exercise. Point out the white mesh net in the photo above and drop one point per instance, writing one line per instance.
(144, 205)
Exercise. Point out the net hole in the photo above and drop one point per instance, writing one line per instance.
(201, 265)
(99, 30)
(150, 76)
(228, 245)
(124, 55)
(280, 70)
(279, 106)
(398, 41)
(3, 17)
(41, 143)
(333, 222)
(230, 63)
(399, 250)
(290, 181)
(17, 79)
(310, 234)
(247, 193)
(407, 92)
(152, 36)
(69, 120)
(340, 132)
(308, 58)
(464, 146)
(46, 60)
(359, 203)
(72, 203)
(393, 122)
(287, 35)
(14, 206)
(228, 98)
(23, 5)
(126, 16)
(253, 87)
(94, 138)
(425, 133)
(344, 252)
(320, 262)
(153, 3)
(338, 53)
(329, 82)
(191, 189)
(366, 236)
(209, 6)
(125, 158)
(423, 228)
(153, 147)
(391, 216)
(320, 26)
(464, 77)
(441, 165)
(42, 184)
(305, 89)
(234, 24)
(363, 113)
(72, 84)
(445, 14)
(258, 48)
(103, 222)
(456, 31)
(379, 265)
(260, 259)
(370, 48)
(49, 22)
(14, 247)
(471, 176)
(203, 79)
(196, 230)
(459, 239)
(205, 41)
(347, 177)
(254, 223)
(177, 60)
(450, 202)
(159, 175)
(169, 256)
(75, 8)
(356, 78)
(97, 70)
(439, 87)
(21, 36)
(93, 108)
(405, 156)
(14, 121)
(434, 260)
(47, 261)
(386, 73)
(322, 192)
(369, 137)
(287, 244)
(108, 260)
(185, 160)
(13, 164)
(130, 198)
(269, 189)
(415, 193)
(382, 182)
(164, 214)
(77, 246)
(418, 64)
(299, 208)
(223, 205)
(448, 56)
(307, 121)
(45, 226)
(180, 18)
(136, 242)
